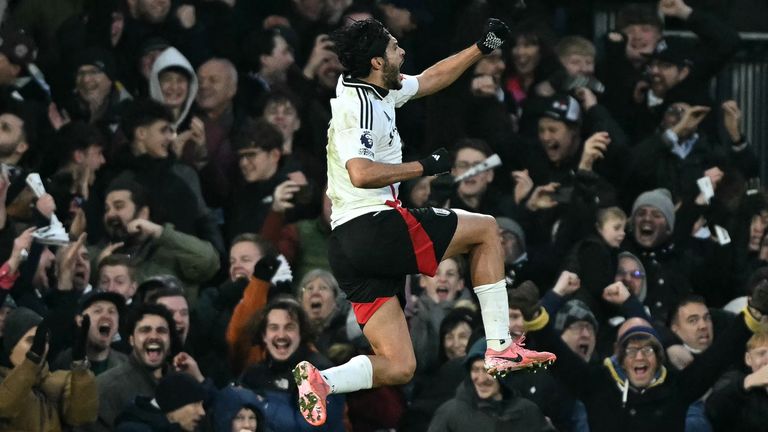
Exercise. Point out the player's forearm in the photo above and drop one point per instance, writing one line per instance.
(374, 175)
(446, 71)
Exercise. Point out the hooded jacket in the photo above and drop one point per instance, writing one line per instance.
(171, 57)
(230, 401)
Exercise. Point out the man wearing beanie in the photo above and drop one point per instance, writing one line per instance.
(33, 398)
(632, 390)
(177, 406)
(667, 271)
(97, 92)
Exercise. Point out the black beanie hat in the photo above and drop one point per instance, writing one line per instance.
(17, 324)
(102, 59)
(176, 390)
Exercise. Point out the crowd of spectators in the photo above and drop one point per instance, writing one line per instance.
(181, 146)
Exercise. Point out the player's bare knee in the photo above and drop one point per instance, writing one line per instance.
(403, 371)
(489, 227)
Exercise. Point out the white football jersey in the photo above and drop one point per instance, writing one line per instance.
(363, 126)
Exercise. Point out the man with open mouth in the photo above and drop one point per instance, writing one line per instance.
(153, 339)
(104, 310)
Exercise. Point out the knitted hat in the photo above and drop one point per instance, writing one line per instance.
(475, 352)
(660, 199)
(98, 57)
(17, 324)
(176, 390)
(574, 310)
(507, 224)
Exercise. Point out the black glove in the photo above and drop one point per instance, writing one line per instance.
(526, 298)
(37, 351)
(759, 298)
(81, 338)
(266, 268)
(496, 33)
(439, 162)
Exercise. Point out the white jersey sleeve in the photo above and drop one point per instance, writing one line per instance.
(409, 90)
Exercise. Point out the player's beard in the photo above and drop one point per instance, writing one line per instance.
(392, 76)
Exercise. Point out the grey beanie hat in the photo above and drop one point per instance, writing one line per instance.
(574, 310)
(660, 199)
(17, 324)
(507, 224)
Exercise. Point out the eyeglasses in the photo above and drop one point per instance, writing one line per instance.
(580, 326)
(646, 351)
(249, 154)
(634, 274)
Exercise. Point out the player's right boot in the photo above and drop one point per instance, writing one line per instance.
(313, 392)
(515, 357)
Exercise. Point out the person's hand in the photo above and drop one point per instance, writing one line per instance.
(523, 184)
(5, 183)
(144, 227)
(46, 205)
(616, 293)
(322, 52)
(283, 196)
(690, 120)
(180, 142)
(732, 120)
(186, 16)
(541, 198)
(437, 163)
(586, 98)
(21, 247)
(39, 349)
(494, 36)
(66, 260)
(266, 267)
(675, 8)
(567, 284)
(594, 149)
(57, 118)
(715, 175)
(679, 356)
(483, 86)
(641, 89)
(758, 378)
(109, 250)
(184, 362)
(197, 129)
(81, 339)
(79, 222)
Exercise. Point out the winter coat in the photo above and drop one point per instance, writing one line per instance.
(614, 404)
(273, 381)
(468, 413)
(230, 401)
(33, 399)
(144, 416)
(731, 408)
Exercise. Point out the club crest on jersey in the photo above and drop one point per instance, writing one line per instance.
(366, 139)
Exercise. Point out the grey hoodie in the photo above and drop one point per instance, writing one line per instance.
(169, 58)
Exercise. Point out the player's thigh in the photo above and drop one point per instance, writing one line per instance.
(387, 332)
(472, 229)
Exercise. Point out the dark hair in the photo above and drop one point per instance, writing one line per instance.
(638, 14)
(475, 144)
(294, 310)
(119, 260)
(258, 134)
(685, 301)
(78, 136)
(139, 311)
(265, 246)
(138, 194)
(757, 277)
(141, 113)
(161, 292)
(262, 42)
(451, 321)
(358, 43)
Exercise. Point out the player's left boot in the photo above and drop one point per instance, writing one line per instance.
(515, 357)
(313, 392)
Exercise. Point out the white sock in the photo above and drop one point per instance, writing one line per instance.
(356, 374)
(495, 312)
